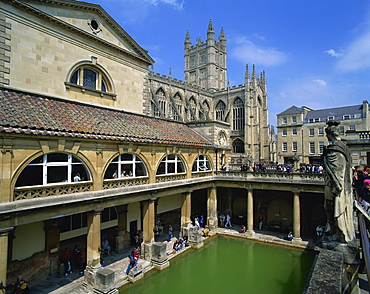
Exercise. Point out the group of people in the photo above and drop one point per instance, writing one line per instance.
(309, 168)
(122, 174)
(75, 260)
(361, 186)
(179, 244)
(222, 218)
(284, 168)
(133, 259)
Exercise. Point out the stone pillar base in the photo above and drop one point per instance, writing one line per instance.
(146, 251)
(212, 223)
(100, 281)
(197, 245)
(161, 265)
(136, 274)
(297, 241)
(250, 233)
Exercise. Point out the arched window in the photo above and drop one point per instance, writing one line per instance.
(220, 111)
(161, 99)
(126, 165)
(202, 163)
(177, 106)
(238, 114)
(90, 77)
(171, 164)
(238, 146)
(53, 168)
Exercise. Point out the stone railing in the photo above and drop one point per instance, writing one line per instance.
(272, 176)
(51, 190)
(168, 178)
(125, 182)
(201, 174)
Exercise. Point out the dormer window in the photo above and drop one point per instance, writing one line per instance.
(89, 78)
(331, 117)
(346, 116)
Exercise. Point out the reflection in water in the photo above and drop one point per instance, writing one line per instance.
(227, 265)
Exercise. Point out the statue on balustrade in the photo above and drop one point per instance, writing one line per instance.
(338, 204)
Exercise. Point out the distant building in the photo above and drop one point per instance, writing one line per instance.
(301, 130)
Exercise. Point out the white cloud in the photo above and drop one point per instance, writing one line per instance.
(357, 54)
(333, 53)
(320, 82)
(248, 52)
(178, 4)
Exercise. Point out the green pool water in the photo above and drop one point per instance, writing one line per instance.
(229, 265)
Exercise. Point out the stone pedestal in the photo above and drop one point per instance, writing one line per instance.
(146, 251)
(122, 240)
(159, 256)
(195, 239)
(250, 233)
(212, 223)
(100, 281)
(136, 273)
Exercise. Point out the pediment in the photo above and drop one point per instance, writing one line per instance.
(90, 19)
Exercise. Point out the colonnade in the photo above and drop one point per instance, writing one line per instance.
(148, 223)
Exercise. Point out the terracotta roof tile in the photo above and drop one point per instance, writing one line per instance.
(32, 114)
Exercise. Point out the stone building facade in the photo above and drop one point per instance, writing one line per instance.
(301, 130)
(93, 145)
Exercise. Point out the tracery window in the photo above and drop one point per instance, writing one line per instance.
(171, 164)
(161, 99)
(126, 165)
(193, 106)
(238, 146)
(206, 109)
(53, 168)
(220, 111)
(178, 106)
(202, 163)
(238, 114)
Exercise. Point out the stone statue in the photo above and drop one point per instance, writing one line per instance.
(338, 204)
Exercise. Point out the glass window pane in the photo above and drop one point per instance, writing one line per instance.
(180, 167)
(171, 157)
(89, 79)
(84, 219)
(57, 174)
(140, 170)
(126, 157)
(65, 226)
(37, 160)
(74, 78)
(30, 176)
(103, 86)
(57, 157)
(80, 169)
(76, 221)
(105, 215)
(171, 168)
(111, 170)
(161, 169)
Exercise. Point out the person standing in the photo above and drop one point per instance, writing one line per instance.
(222, 220)
(228, 221)
(319, 232)
(260, 222)
(66, 257)
(170, 232)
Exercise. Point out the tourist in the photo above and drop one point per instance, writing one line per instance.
(201, 221)
(21, 286)
(170, 232)
(290, 236)
(205, 232)
(66, 257)
(77, 178)
(115, 175)
(260, 222)
(228, 221)
(243, 229)
(132, 262)
(136, 253)
(156, 232)
(105, 246)
(319, 232)
(76, 254)
(222, 220)
(82, 260)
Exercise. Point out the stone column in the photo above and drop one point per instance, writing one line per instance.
(123, 236)
(52, 230)
(4, 233)
(250, 225)
(148, 220)
(186, 210)
(296, 217)
(6, 157)
(93, 239)
(212, 207)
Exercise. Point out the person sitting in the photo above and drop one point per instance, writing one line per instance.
(21, 286)
(290, 236)
(177, 246)
(105, 246)
(205, 232)
(243, 229)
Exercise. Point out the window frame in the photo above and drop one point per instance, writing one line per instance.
(167, 161)
(199, 162)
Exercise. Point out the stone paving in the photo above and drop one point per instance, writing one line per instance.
(73, 283)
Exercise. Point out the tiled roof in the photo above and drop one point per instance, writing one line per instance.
(35, 115)
(336, 112)
(291, 110)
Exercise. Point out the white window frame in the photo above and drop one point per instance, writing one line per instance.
(284, 120)
(294, 132)
(135, 160)
(294, 119)
(294, 146)
(311, 132)
(320, 132)
(284, 147)
(177, 160)
(202, 164)
(312, 147)
(284, 132)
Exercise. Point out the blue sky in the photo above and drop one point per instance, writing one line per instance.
(315, 53)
